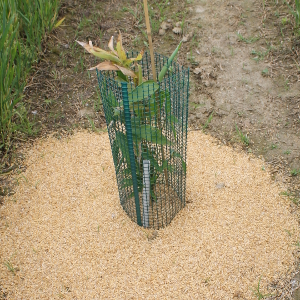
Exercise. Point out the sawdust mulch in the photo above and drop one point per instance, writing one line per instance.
(65, 235)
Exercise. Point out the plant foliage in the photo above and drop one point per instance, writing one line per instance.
(146, 101)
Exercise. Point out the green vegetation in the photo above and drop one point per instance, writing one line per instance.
(24, 26)
(295, 172)
(292, 196)
(258, 293)
(249, 40)
(265, 72)
(260, 55)
(143, 113)
(10, 267)
(295, 11)
(208, 121)
(243, 137)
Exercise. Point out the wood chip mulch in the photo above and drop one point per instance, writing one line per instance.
(63, 234)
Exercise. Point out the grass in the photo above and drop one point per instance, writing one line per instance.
(265, 72)
(92, 124)
(208, 121)
(295, 172)
(260, 55)
(10, 267)
(257, 293)
(292, 196)
(24, 28)
(243, 137)
(98, 101)
(248, 40)
(295, 11)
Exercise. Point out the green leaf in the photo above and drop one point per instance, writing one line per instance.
(150, 134)
(153, 196)
(122, 76)
(140, 75)
(176, 154)
(172, 120)
(168, 105)
(167, 65)
(143, 91)
(122, 143)
(167, 166)
(126, 182)
(112, 100)
(147, 154)
(116, 112)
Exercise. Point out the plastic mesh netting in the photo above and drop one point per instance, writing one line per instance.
(147, 127)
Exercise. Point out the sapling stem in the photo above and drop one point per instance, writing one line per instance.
(154, 74)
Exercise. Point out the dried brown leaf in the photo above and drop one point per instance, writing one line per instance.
(126, 71)
(111, 45)
(105, 66)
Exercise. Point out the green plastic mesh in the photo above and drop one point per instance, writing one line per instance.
(147, 127)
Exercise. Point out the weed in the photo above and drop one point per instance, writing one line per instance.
(214, 50)
(10, 267)
(98, 102)
(295, 172)
(138, 17)
(288, 232)
(286, 85)
(265, 72)
(297, 244)
(243, 137)
(285, 193)
(287, 152)
(208, 121)
(260, 55)
(274, 146)
(295, 12)
(196, 105)
(292, 196)
(94, 129)
(284, 21)
(247, 40)
(84, 22)
(191, 57)
(182, 24)
(258, 293)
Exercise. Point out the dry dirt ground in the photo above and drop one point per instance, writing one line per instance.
(244, 58)
(245, 54)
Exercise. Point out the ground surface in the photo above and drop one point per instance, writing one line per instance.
(64, 234)
(245, 54)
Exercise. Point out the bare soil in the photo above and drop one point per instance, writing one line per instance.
(246, 57)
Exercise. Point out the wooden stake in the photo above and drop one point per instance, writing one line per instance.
(154, 72)
(150, 39)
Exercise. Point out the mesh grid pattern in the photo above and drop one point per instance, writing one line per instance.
(147, 127)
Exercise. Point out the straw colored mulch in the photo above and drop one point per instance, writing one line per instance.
(64, 234)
